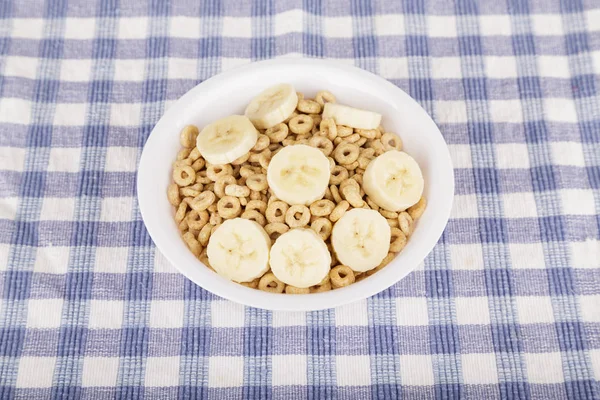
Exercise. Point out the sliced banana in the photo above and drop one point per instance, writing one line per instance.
(352, 117)
(300, 258)
(361, 239)
(299, 174)
(393, 181)
(239, 250)
(226, 139)
(272, 106)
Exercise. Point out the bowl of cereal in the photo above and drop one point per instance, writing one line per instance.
(295, 184)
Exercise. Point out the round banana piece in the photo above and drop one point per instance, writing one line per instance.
(393, 181)
(300, 258)
(239, 250)
(299, 174)
(352, 117)
(226, 139)
(361, 239)
(272, 106)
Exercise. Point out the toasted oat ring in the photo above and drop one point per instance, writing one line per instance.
(355, 137)
(183, 154)
(344, 131)
(328, 128)
(229, 207)
(237, 190)
(184, 175)
(388, 214)
(188, 135)
(338, 175)
(255, 216)
(405, 223)
(262, 143)
(257, 182)
(276, 211)
(360, 142)
(363, 162)
(367, 133)
(339, 211)
(257, 205)
(309, 106)
(351, 166)
(322, 226)
(214, 172)
(417, 210)
(317, 118)
(301, 124)
(335, 193)
(337, 141)
(277, 133)
(202, 178)
(350, 182)
(377, 146)
(346, 153)
(198, 164)
(393, 222)
(195, 154)
(321, 143)
(328, 194)
(215, 219)
(203, 201)
(183, 226)
(204, 234)
(270, 283)
(324, 96)
(196, 220)
(332, 163)
(353, 196)
(192, 243)
(276, 229)
(341, 275)
(173, 194)
(358, 177)
(241, 159)
(252, 284)
(391, 141)
(323, 286)
(254, 195)
(297, 216)
(246, 171)
(397, 241)
(180, 213)
(372, 204)
(264, 159)
(321, 208)
(296, 290)
(220, 184)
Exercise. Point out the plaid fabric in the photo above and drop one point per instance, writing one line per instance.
(506, 306)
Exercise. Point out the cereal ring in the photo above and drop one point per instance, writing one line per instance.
(237, 191)
(220, 184)
(391, 141)
(183, 154)
(180, 214)
(393, 223)
(367, 133)
(301, 124)
(372, 204)
(322, 226)
(335, 193)
(350, 167)
(346, 153)
(337, 140)
(300, 95)
(367, 152)
(229, 207)
(377, 145)
(173, 194)
(355, 137)
(350, 182)
(332, 163)
(184, 175)
(276, 229)
(214, 172)
(344, 131)
(212, 208)
(215, 219)
(196, 220)
(324, 97)
(241, 159)
(276, 211)
(339, 211)
(358, 177)
(254, 195)
(270, 283)
(243, 201)
(297, 216)
(352, 196)
(191, 191)
(360, 142)
(288, 119)
(321, 143)
(204, 234)
(198, 164)
(188, 135)
(329, 128)
(264, 159)
(183, 226)
(309, 106)
(363, 162)
(192, 243)
(277, 133)
(296, 290)
(388, 214)
(202, 178)
(321, 208)
(255, 216)
(274, 147)
(328, 194)
(397, 240)
(257, 205)
(341, 276)
(203, 201)
(252, 284)
(246, 171)
(210, 187)
(288, 142)
(417, 210)
(338, 175)
(317, 118)
(262, 143)
(194, 154)
(406, 223)
(257, 182)
(323, 286)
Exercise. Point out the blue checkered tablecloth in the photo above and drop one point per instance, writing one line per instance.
(506, 306)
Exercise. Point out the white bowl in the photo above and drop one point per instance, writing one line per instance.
(228, 93)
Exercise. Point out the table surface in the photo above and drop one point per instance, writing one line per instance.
(506, 306)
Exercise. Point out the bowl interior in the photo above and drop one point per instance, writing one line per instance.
(229, 93)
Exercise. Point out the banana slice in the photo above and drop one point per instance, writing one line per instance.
(393, 181)
(300, 258)
(350, 116)
(226, 139)
(299, 174)
(239, 250)
(361, 239)
(272, 106)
